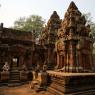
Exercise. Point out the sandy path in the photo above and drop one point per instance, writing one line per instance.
(20, 90)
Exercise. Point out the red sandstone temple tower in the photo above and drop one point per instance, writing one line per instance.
(74, 45)
(49, 37)
(74, 55)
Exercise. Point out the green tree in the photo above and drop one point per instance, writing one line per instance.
(92, 25)
(33, 22)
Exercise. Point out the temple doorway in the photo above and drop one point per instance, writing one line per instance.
(15, 63)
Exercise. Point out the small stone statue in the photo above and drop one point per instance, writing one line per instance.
(6, 67)
(44, 68)
(24, 68)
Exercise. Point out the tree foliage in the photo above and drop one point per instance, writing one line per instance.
(91, 23)
(33, 22)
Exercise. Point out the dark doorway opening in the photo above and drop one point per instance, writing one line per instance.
(15, 62)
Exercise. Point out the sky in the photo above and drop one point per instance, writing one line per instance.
(11, 10)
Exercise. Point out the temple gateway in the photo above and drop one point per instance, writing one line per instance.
(60, 63)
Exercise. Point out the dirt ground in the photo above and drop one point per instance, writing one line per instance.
(20, 90)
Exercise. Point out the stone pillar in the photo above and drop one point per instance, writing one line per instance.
(72, 57)
(21, 60)
(91, 62)
(50, 58)
(31, 60)
(65, 62)
(58, 61)
(61, 61)
(80, 63)
(93, 65)
(55, 59)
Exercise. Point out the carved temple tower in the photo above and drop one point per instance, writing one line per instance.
(53, 26)
(74, 45)
(49, 36)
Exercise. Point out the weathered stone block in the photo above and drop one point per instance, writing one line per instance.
(23, 75)
(71, 83)
(4, 76)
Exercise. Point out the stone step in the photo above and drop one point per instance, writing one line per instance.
(14, 80)
(15, 70)
(53, 91)
(14, 73)
(14, 76)
(13, 84)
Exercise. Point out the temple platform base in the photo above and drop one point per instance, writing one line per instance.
(71, 83)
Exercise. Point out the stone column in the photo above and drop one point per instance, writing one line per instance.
(65, 59)
(21, 61)
(91, 62)
(80, 62)
(72, 57)
(55, 59)
(50, 56)
(58, 62)
(66, 65)
(61, 61)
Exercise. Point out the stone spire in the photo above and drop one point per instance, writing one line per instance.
(52, 26)
(74, 19)
(54, 21)
(49, 33)
(54, 15)
(72, 6)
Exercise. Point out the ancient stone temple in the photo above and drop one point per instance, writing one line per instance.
(61, 62)
(49, 37)
(16, 48)
(74, 44)
(75, 70)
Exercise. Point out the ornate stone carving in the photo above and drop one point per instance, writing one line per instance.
(74, 40)
(6, 67)
(54, 21)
